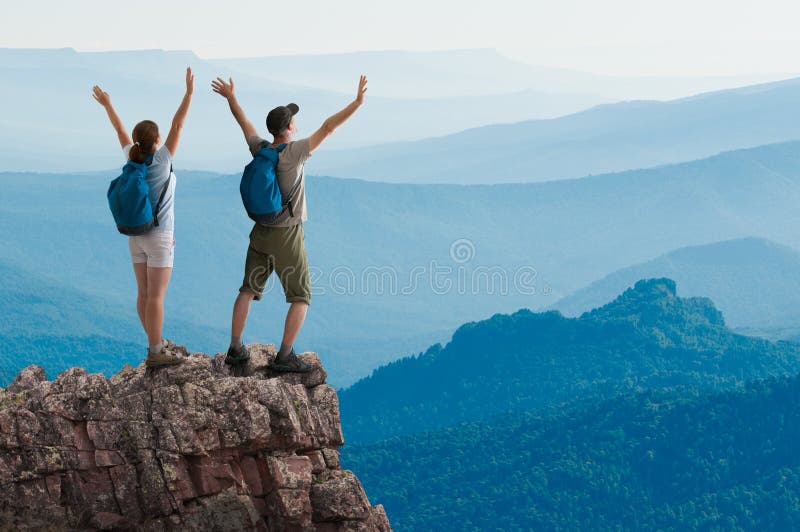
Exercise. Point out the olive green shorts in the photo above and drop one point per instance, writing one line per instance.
(282, 250)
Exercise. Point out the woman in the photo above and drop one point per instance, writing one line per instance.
(152, 253)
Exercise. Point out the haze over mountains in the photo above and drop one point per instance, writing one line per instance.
(642, 414)
(754, 282)
(445, 74)
(57, 326)
(607, 138)
(379, 239)
(563, 235)
(149, 84)
(636, 410)
(647, 337)
(413, 96)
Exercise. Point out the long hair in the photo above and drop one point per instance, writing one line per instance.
(145, 135)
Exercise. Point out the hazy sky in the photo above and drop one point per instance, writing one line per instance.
(675, 37)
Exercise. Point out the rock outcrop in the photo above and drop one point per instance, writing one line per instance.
(188, 447)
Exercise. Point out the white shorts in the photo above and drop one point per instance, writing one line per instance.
(156, 248)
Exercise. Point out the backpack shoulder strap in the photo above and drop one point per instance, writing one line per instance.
(157, 208)
(294, 188)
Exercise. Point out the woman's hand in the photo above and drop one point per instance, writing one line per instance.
(189, 81)
(362, 89)
(102, 97)
(174, 135)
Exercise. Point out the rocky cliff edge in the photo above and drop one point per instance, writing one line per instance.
(188, 447)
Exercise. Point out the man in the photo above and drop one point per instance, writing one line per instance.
(280, 246)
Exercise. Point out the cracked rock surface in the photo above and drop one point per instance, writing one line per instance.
(187, 447)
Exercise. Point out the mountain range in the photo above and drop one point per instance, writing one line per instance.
(544, 241)
(454, 73)
(645, 413)
(648, 337)
(149, 84)
(754, 282)
(460, 90)
(58, 327)
(644, 460)
(606, 138)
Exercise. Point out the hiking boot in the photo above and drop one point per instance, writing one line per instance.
(164, 358)
(238, 359)
(238, 355)
(291, 363)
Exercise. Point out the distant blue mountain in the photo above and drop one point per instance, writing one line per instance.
(645, 460)
(149, 84)
(648, 337)
(754, 282)
(455, 73)
(566, 235)
(607, 138)
(56, 326)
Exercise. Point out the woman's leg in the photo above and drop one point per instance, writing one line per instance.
(140, 270)
(157, 282)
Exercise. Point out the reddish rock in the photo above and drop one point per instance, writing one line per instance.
(110, 521)
(53, 483)
(85, 460)
(251, 475)
(104, 434)
(188, 447)
(123, 478)
(107, 458)
(27, 379)
(331, 458)
(81, 438)
(289, 472)
(290, 509)
(339, 497)
(318, 464)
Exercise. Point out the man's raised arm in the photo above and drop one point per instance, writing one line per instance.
(226, 91)
(334, 121)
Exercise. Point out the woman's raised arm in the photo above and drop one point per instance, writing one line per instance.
(105, 100)
(180, 116)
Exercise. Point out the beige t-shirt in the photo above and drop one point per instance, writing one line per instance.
(290, 168)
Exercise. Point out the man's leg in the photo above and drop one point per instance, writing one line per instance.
(241, 308)
(258, 267)
(291, 328)
(291, 265)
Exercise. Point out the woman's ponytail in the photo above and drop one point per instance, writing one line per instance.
(145, 135)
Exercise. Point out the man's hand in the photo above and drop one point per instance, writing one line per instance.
(189, 81)
(226, 91)
(334, 121)
(222, 88)
(362, 89)
(102, 97)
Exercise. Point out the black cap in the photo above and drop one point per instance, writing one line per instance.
(279, 118)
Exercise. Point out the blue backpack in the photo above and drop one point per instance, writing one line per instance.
(259, 188)
(129, 199)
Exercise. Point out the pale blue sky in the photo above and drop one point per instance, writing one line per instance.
(630, 37)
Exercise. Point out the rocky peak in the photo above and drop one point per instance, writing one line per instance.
(653, 307)
(657, 300)
(188, 447)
